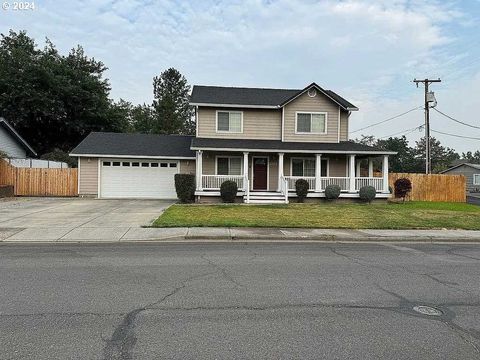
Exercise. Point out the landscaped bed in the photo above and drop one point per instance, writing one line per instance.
(410, 215)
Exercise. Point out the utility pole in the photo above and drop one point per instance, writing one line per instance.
(426, 83)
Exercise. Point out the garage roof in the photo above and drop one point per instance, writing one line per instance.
(105, 144)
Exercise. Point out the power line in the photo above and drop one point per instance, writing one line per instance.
(384, 121)
(458, 121)
(455, 135)
(403, 132)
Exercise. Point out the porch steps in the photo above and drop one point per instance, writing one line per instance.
(266, 197)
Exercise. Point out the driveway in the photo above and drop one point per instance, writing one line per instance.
(74, 219)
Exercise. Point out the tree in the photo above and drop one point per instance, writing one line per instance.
(473, 158)
(441, 157)
(143, 119)
(173, 113)
(52, 100)
(404, 160)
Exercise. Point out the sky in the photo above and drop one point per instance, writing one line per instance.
(367, 51)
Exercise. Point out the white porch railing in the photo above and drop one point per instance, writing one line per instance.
(284, 188)
(343, 182)
(292, 179)
(213, 182)
(376, 182)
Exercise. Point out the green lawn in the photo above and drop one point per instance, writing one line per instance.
(411, 215)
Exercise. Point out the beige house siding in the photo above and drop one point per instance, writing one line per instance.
(344, 126)
(305, 103)
(88, 176)
(257, 124)
(187, 167)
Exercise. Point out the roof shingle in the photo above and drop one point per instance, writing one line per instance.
(253, 96)
(121, 144)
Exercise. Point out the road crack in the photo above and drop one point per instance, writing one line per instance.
(123, 340)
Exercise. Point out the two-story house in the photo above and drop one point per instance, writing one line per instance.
(263, 139)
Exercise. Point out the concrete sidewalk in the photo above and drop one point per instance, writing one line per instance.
(239, 234)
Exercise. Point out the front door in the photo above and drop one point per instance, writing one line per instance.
(260, 173)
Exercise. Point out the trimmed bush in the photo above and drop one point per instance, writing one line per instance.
(301, 188)
(402, 187)
(367, 193)
(228, 191)
(185, 187)
(332, 192)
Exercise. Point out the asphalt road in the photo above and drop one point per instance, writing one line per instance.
(237, 301)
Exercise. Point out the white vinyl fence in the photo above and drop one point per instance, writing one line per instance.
(37, 164)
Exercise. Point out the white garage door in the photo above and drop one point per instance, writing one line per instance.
(124, 178)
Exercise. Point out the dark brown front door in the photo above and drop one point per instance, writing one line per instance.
(260, 173)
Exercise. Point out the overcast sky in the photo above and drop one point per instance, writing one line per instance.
(367, 51)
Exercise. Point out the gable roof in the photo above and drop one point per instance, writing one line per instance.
(105, 144)
(21, 141)
(475, 166)
(257, 97)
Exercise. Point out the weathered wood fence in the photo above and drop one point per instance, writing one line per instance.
(434, 187)
(39, 182)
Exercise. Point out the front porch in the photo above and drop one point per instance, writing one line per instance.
(264, 176)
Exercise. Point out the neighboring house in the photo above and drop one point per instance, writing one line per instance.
(471, 173)
(12, 144)
(263, 139)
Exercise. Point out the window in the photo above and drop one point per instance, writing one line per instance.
(145, 164)
(324, 169)
(229, 121)
(311, 123)
(229, 166)
(125, 163)
(164, 165)
(136, 164)
(154, 164)
(106, 163)
(476, 179)
(116, 163)
(174, 165)
(303, 167)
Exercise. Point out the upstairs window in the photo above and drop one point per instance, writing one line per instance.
(229, 121)
(311, 123)
(229, 166)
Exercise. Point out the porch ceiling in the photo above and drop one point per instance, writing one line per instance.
(343, 147)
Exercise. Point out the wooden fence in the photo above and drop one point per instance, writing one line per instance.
(434, 187)
(39, 182)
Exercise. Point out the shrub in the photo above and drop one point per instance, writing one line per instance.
(402, 186)
(332, 192)
(301, 188)
(185, 187)
(367, 193)
(228, 191)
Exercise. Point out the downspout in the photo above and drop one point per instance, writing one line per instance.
(338, 130)
(283, 122)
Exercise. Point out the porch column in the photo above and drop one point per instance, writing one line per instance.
(357, 171)
(385, 173)
(280, 171)
(352, 174)
(199, 170)
(318, 172)
(370, 167)
(245, 169)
